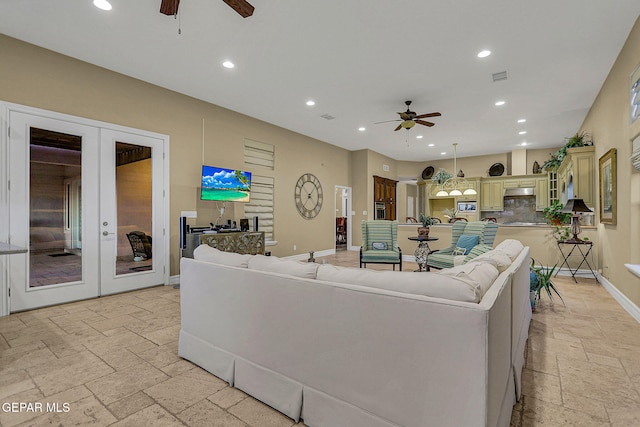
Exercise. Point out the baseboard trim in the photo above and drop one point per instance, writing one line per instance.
(174, 280)
(621, 298)
(316, 254)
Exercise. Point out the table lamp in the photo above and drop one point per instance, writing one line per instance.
(574, 206)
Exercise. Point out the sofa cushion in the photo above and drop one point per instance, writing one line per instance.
(481, 274)
(467, 241)
(496, 257)
(417, 283)
(511, 247)
(216, 256)
(306, 270)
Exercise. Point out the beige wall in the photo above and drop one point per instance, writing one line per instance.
(608, 123)
(40, 78)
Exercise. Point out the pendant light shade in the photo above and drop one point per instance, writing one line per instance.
(456, 186)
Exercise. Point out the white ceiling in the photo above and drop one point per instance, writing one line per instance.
(359, 60)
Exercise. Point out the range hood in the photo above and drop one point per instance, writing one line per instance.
(519, 191)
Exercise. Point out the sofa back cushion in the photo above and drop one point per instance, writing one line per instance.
(496, 257)
(418, 283)
(480, 274)
(306, 270)
(216, 256)
(511, 247)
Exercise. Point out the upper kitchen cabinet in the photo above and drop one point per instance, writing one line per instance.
(384, 194)
(576, 175)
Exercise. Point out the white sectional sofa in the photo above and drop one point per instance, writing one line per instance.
(354, 347)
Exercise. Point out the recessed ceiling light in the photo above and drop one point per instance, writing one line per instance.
(311, 103)
(443, 153)
(484, 53)
(102, 4)
(362, 128)
(228, 64)
(524, 144)
(500, 103)
(431, 145)
(522, 120)
(419, 137)
(522, 132)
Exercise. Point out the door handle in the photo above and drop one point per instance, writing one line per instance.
(106, 233)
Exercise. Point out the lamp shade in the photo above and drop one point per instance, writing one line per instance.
(575, 205)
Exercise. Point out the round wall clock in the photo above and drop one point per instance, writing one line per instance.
(308, 196)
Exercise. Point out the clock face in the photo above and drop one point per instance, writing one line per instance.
(308, 196)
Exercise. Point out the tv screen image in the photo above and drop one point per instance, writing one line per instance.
(225, 185)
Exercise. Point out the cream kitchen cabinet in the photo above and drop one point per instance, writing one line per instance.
(577, 176)
(491, 195)
(542, 192)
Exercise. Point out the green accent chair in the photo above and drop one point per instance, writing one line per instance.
(444, 258)
(380, 243)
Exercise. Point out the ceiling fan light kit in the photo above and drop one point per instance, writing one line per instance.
(244, 9)
(410, 118)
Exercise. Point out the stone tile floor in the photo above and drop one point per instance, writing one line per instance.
(113, 361)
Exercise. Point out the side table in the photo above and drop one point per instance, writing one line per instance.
(568, 247)
(422, 251)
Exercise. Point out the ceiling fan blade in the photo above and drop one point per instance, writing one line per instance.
(169, 7)
(241, 6)
(387, 121)
(422, 116)
(399, 127)
(422, 122)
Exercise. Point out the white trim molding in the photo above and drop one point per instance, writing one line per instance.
(621, 298)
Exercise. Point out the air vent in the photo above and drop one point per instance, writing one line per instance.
(502, 75)
(327, 116)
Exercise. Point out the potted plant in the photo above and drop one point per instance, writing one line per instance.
(426, 221)
(554, 216)
(542, 283)
(441, 176)
(451, 214)
(580, 139)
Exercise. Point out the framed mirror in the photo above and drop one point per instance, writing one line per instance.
(608, 187)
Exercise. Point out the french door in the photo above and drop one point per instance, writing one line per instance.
(88, 201)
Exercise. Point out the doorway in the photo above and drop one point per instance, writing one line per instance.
(342, 215)
(78, 190)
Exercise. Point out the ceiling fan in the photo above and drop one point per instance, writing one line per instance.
(410, 118)
(170, 7)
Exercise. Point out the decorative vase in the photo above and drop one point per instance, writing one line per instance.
(423, 231)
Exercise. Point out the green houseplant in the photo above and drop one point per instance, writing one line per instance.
(580, 139)
(542, 282)
(426, 221)
(553, 214)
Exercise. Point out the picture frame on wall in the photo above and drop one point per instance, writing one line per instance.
(634, 94)
(608, 187)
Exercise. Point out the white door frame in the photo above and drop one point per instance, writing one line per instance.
(5, 109)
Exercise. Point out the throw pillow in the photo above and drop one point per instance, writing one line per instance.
(468, 241)
(379, 246)
(459, 251)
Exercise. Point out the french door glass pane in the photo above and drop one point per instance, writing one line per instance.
(55, 208)
(134, 208)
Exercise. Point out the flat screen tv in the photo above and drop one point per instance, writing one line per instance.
(225, 185)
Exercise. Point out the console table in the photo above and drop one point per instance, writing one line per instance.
(242, 242)
(568, 247)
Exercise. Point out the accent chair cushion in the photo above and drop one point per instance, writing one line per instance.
(467, 241)
(306, 270)
(216, 256)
